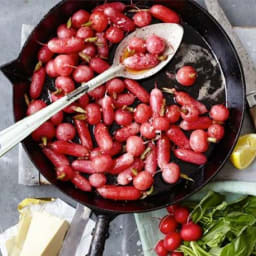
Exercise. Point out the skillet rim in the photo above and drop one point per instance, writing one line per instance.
(239, 65)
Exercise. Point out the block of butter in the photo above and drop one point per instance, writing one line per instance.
(45, 235)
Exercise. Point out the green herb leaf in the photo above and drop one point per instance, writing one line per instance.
(211, 200)
(241, 246)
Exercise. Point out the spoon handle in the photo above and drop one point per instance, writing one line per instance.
(20, 130)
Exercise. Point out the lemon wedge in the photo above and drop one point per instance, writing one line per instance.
(244, 152)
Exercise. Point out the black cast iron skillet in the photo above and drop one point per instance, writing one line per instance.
(201, 30)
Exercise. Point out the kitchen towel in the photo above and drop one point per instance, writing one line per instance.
(29, 175)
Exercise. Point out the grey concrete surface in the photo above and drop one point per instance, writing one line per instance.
(124, 238)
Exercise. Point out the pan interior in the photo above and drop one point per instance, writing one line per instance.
(219, 80)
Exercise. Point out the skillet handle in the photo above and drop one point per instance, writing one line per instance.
(14, 71)
(253, 115)
(100, 235)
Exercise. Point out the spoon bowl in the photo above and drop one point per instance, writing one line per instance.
(171, 33)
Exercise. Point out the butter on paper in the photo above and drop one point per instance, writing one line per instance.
(55, 207)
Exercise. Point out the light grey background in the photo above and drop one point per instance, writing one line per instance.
(124, 238)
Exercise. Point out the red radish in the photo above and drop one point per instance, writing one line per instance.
(79, 18)
(186, 76)
(66, 45)
(163, 151)
(44, 54)
(124, 133)
(35, 106)
(81, 183)
(216, 131)
(75, 57)
(143, 181)
(83, 74)
(189, 113)
(84, 100)
(183, 98)
(156, 102)
(160, 249)
(99, 21)
(171, 173)
(88, 52)
(119, 19)
(123, 117)
(116, 148)
(102, 163)
(172, 208)
(84, 166)
(84, 32)
(137, 44)
(98, 65)
(141, 61)
(63, 64)
(135, 145)
(114, 34)
(98, 92)
(168, 224)
(190, 156)
(173, 113)
(57, 118)
(65, 173)
(121, 163)
(178, 137)
(57, 159)
(199, 141)
(191, 232)
(112, 192)
(37, 83)
(84, 134)
(103, 138)
(65, 131)
(172, 241)
(177, 254)
(64, 32)
(97, 180)
(155, 44)
(72, 108)
(142, 18)
(125, 99)
(142, 113)
(108, 110)
(93, 113)
(119, 6)
(126, 176)
(135, 88)
(50, 69)
(46, 130)
(95, 152)
(161, 123)
(164, 14)
(64, 83)
(67, 148)
(203, 122)
(102, 45)
(151, 160)
(147, 130)
(115, 85)
(181, 215)
(219, 113)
